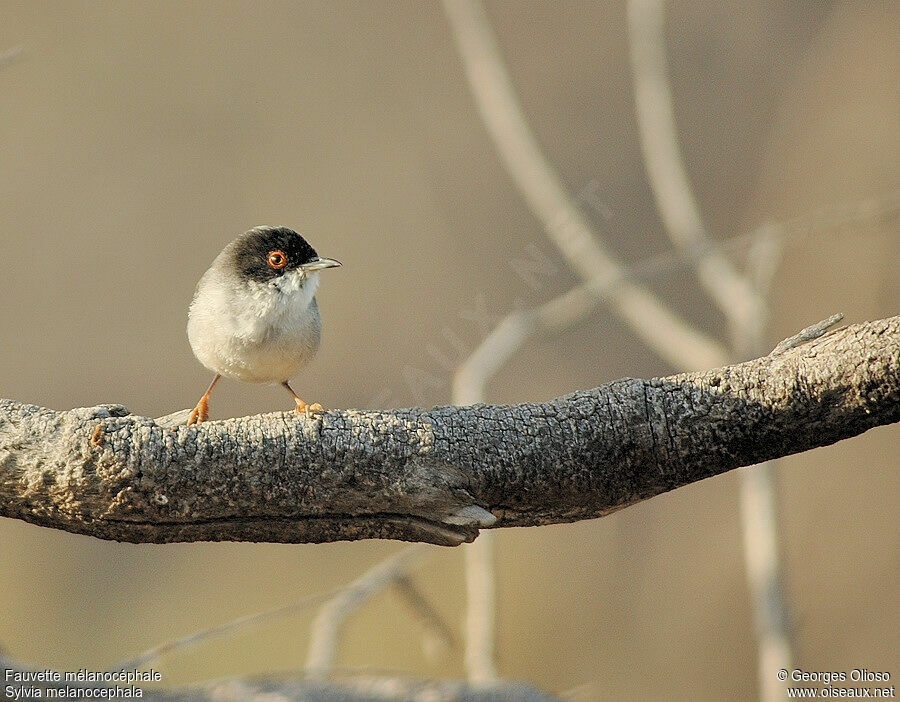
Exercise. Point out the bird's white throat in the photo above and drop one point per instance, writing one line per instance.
(286, 298)
(297, 284)
(253, 311)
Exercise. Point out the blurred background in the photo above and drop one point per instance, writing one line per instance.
(137, 139)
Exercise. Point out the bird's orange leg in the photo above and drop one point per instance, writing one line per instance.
(301, 405)
(201, 412)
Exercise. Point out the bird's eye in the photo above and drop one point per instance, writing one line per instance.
(277, 260)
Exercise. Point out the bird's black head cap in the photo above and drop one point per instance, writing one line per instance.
(253, 251)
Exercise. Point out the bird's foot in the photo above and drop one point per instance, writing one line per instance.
(308, 409)
(200, 413)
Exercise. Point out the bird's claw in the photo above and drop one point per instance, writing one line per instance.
(308, 410)
(199, 414)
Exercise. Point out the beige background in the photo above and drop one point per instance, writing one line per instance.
(136, 139)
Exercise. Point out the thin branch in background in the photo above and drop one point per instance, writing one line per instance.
(235, 625)
(764, 256)
(883, 210)
(480, 653)
(434, 623)
(469, 383)
(668, 177)
(359, 590)
(328, 623)
(762, 559)
(741, 301)
(759, 511)
(767, 243)
(499, 346)
(675, 340)
(764, 244)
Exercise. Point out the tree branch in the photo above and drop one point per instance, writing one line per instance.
(431, 475)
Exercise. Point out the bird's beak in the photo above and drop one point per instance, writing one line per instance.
(319, 264)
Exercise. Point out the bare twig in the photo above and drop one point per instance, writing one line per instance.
(764, 256)
(764, 246)
(339, 603)
(495, 350)
(327, 625)
(420, 605)
(480, 654)
(234, 625)
(811, 332)
(668, 176)
(668, 335)
(762, 560)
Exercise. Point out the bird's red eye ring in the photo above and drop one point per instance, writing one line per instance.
(277, 260)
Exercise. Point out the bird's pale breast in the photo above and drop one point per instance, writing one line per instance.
(258, 333)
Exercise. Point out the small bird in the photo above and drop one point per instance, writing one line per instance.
(254, 315)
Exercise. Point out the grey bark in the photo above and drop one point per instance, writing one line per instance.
(439, 475)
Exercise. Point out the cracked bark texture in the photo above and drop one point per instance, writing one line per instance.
(439, 475)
